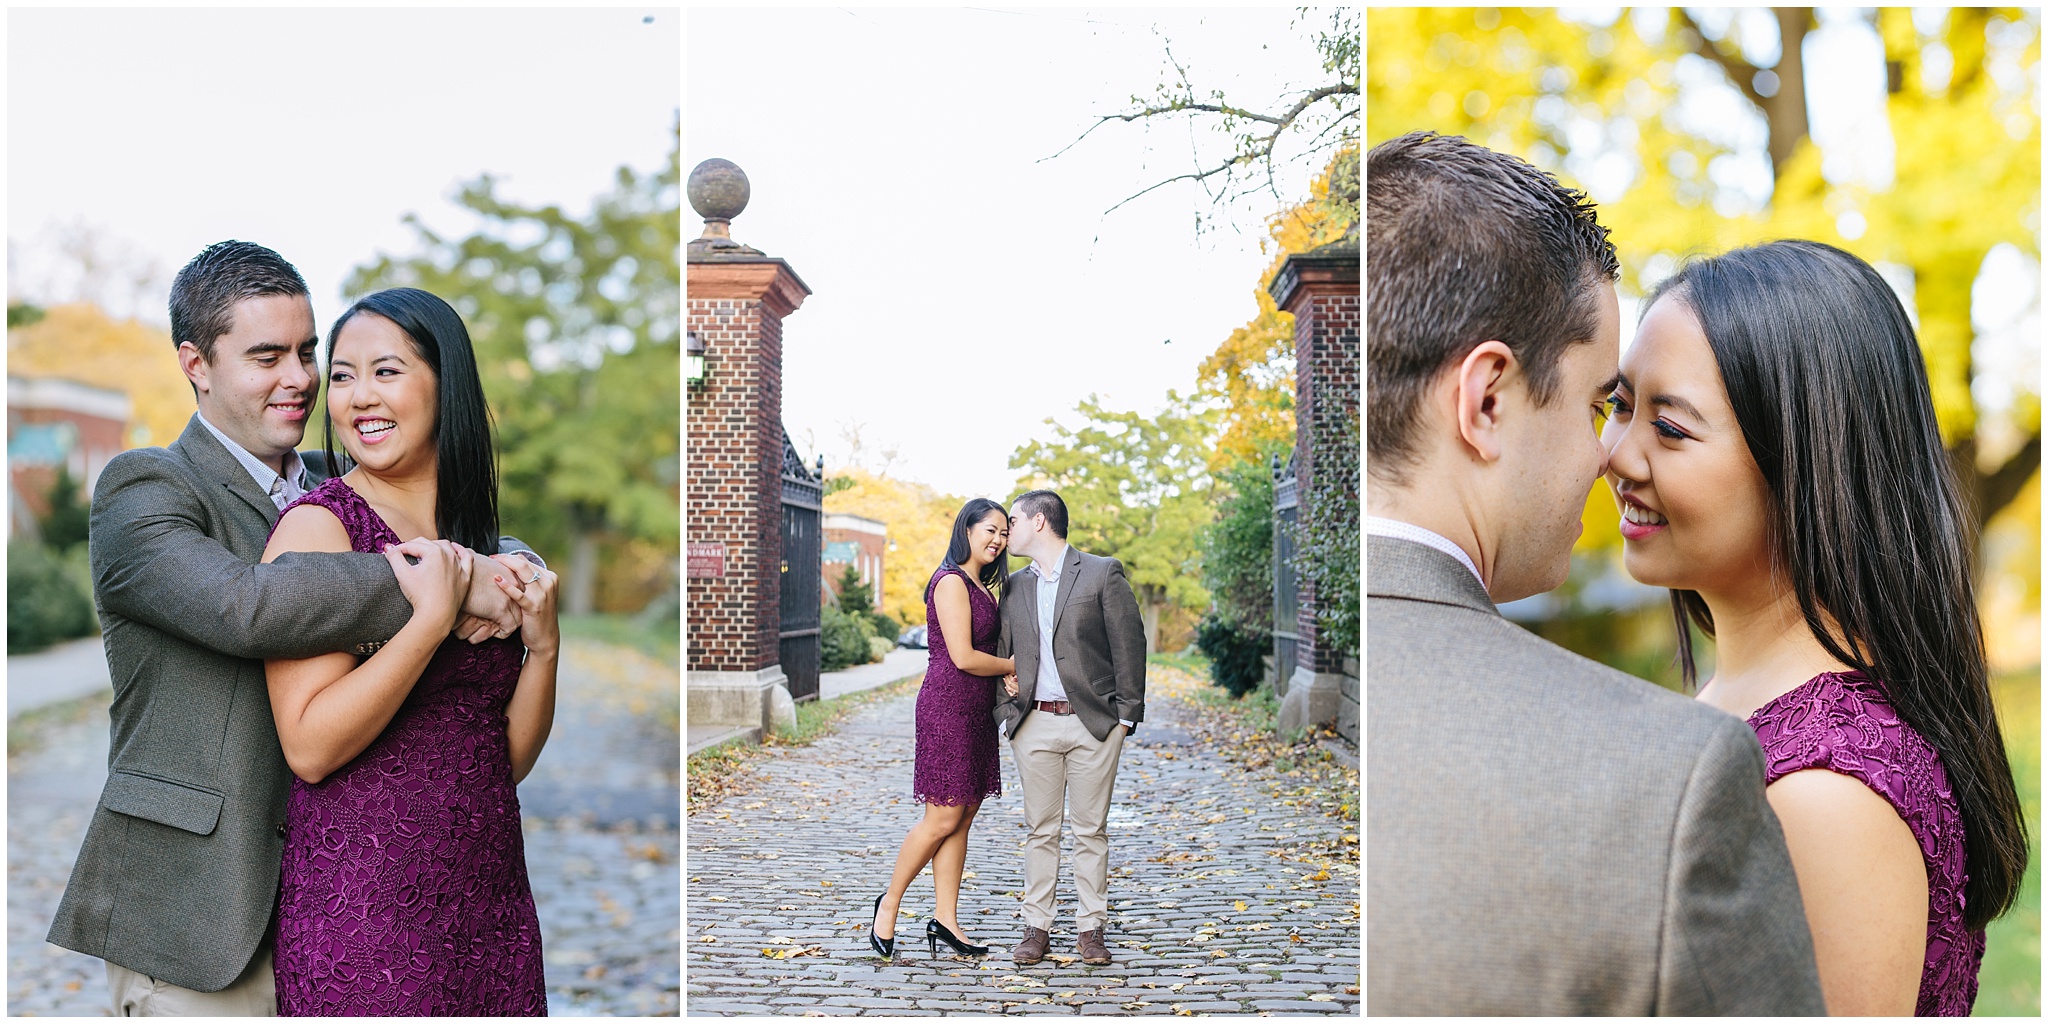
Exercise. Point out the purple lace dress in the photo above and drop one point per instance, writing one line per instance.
(1841, 721)
(956, 732)
(404, 888)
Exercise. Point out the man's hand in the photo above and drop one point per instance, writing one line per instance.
(487, 612)
(1010, 684)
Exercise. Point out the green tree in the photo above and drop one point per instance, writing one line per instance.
(1137, 489)
(1237, 570)
(575, 322)
(70, 516)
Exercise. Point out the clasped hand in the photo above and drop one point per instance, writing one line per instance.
(445, 578)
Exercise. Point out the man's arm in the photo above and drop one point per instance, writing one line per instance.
(1126, 628)
(153, 563)
(1735, 939)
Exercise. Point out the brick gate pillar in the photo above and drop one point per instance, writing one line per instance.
(736, 298)
(1320, 287)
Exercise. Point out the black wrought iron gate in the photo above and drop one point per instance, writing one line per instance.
(803, 552)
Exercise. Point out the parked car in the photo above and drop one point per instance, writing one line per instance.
(913, 637)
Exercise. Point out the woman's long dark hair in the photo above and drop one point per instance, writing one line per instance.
(466, 507)
(992, 574)
(1868, 524)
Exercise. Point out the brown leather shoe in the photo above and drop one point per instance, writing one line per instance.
(1093, 950)
(1031, 948)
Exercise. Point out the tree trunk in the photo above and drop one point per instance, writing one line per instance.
(579, 586)
(1150, 610)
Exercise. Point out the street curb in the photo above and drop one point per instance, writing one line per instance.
(749, 735)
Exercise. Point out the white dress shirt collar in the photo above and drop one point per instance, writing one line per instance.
(1378, 527)
(282, 488)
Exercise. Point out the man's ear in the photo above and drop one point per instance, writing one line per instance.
(193, 362)
(1480, 383)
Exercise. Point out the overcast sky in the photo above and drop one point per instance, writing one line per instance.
(312, 131)
(965, 288)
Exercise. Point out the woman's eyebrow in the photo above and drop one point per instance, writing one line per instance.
(1677, 402)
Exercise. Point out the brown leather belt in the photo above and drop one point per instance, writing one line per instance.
(1057, 707)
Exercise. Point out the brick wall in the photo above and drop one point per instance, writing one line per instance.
(1323, 297)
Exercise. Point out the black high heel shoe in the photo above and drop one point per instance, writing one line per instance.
(886, 947)
(934, 932)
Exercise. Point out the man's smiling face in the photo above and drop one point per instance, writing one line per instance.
(261, 382)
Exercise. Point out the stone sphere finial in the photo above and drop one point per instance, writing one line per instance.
(718, 192)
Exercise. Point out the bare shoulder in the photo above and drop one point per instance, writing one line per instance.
(950, 586)
(1839, 808)
(307, 528)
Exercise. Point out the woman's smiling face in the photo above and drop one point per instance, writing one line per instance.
(987, 538)
(1695, 508)
(382, 395)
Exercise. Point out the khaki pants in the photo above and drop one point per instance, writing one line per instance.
(254, 994)
(1065, 768)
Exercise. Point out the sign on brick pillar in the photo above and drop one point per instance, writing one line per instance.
(1320, 288)
(736, 298)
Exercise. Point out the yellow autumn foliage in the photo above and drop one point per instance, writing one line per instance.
(920, 523)
(79, 342)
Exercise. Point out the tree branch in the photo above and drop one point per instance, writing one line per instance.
(1997, 490)
(1741, 73)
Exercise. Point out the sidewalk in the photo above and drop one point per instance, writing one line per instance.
(68, 671)
(900, 664)
(1222, 898)
(600, 811)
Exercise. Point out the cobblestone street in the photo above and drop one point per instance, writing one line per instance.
(601, 811)
(1223, 899)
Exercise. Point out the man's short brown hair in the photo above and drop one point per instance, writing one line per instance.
(204, 294)
(1465, 245)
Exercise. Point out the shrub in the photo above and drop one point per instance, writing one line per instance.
(1236, 656)
(47, 600)
(844, 642)
(1237, 569)
(879, 647)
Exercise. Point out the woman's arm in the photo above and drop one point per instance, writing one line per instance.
(329, 708)
(531, 714)
(1864, 884)
(956, 624)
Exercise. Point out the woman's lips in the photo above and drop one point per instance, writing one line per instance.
(1639, 521)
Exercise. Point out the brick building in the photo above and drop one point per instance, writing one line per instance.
(51, 424)
(857, 541)
(741, 468)
(1320, 287)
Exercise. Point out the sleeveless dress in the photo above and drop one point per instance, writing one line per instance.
(1842, 722)
(404, 889)
(956, 730)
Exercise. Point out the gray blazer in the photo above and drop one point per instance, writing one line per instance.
(1098, 638)
(1549, 836)
(178, 875)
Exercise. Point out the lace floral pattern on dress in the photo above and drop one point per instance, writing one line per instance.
(956, 728)
(404, 889)
(1842, 722)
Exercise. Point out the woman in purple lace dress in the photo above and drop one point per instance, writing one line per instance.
(404, 888)
(956, 766)
(1774, 451)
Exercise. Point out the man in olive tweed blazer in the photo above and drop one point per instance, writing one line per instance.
(1072, 622)
(175, 885)
(1545, 835)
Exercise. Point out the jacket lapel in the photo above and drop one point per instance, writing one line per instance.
(214, 462)
(1068, 581)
